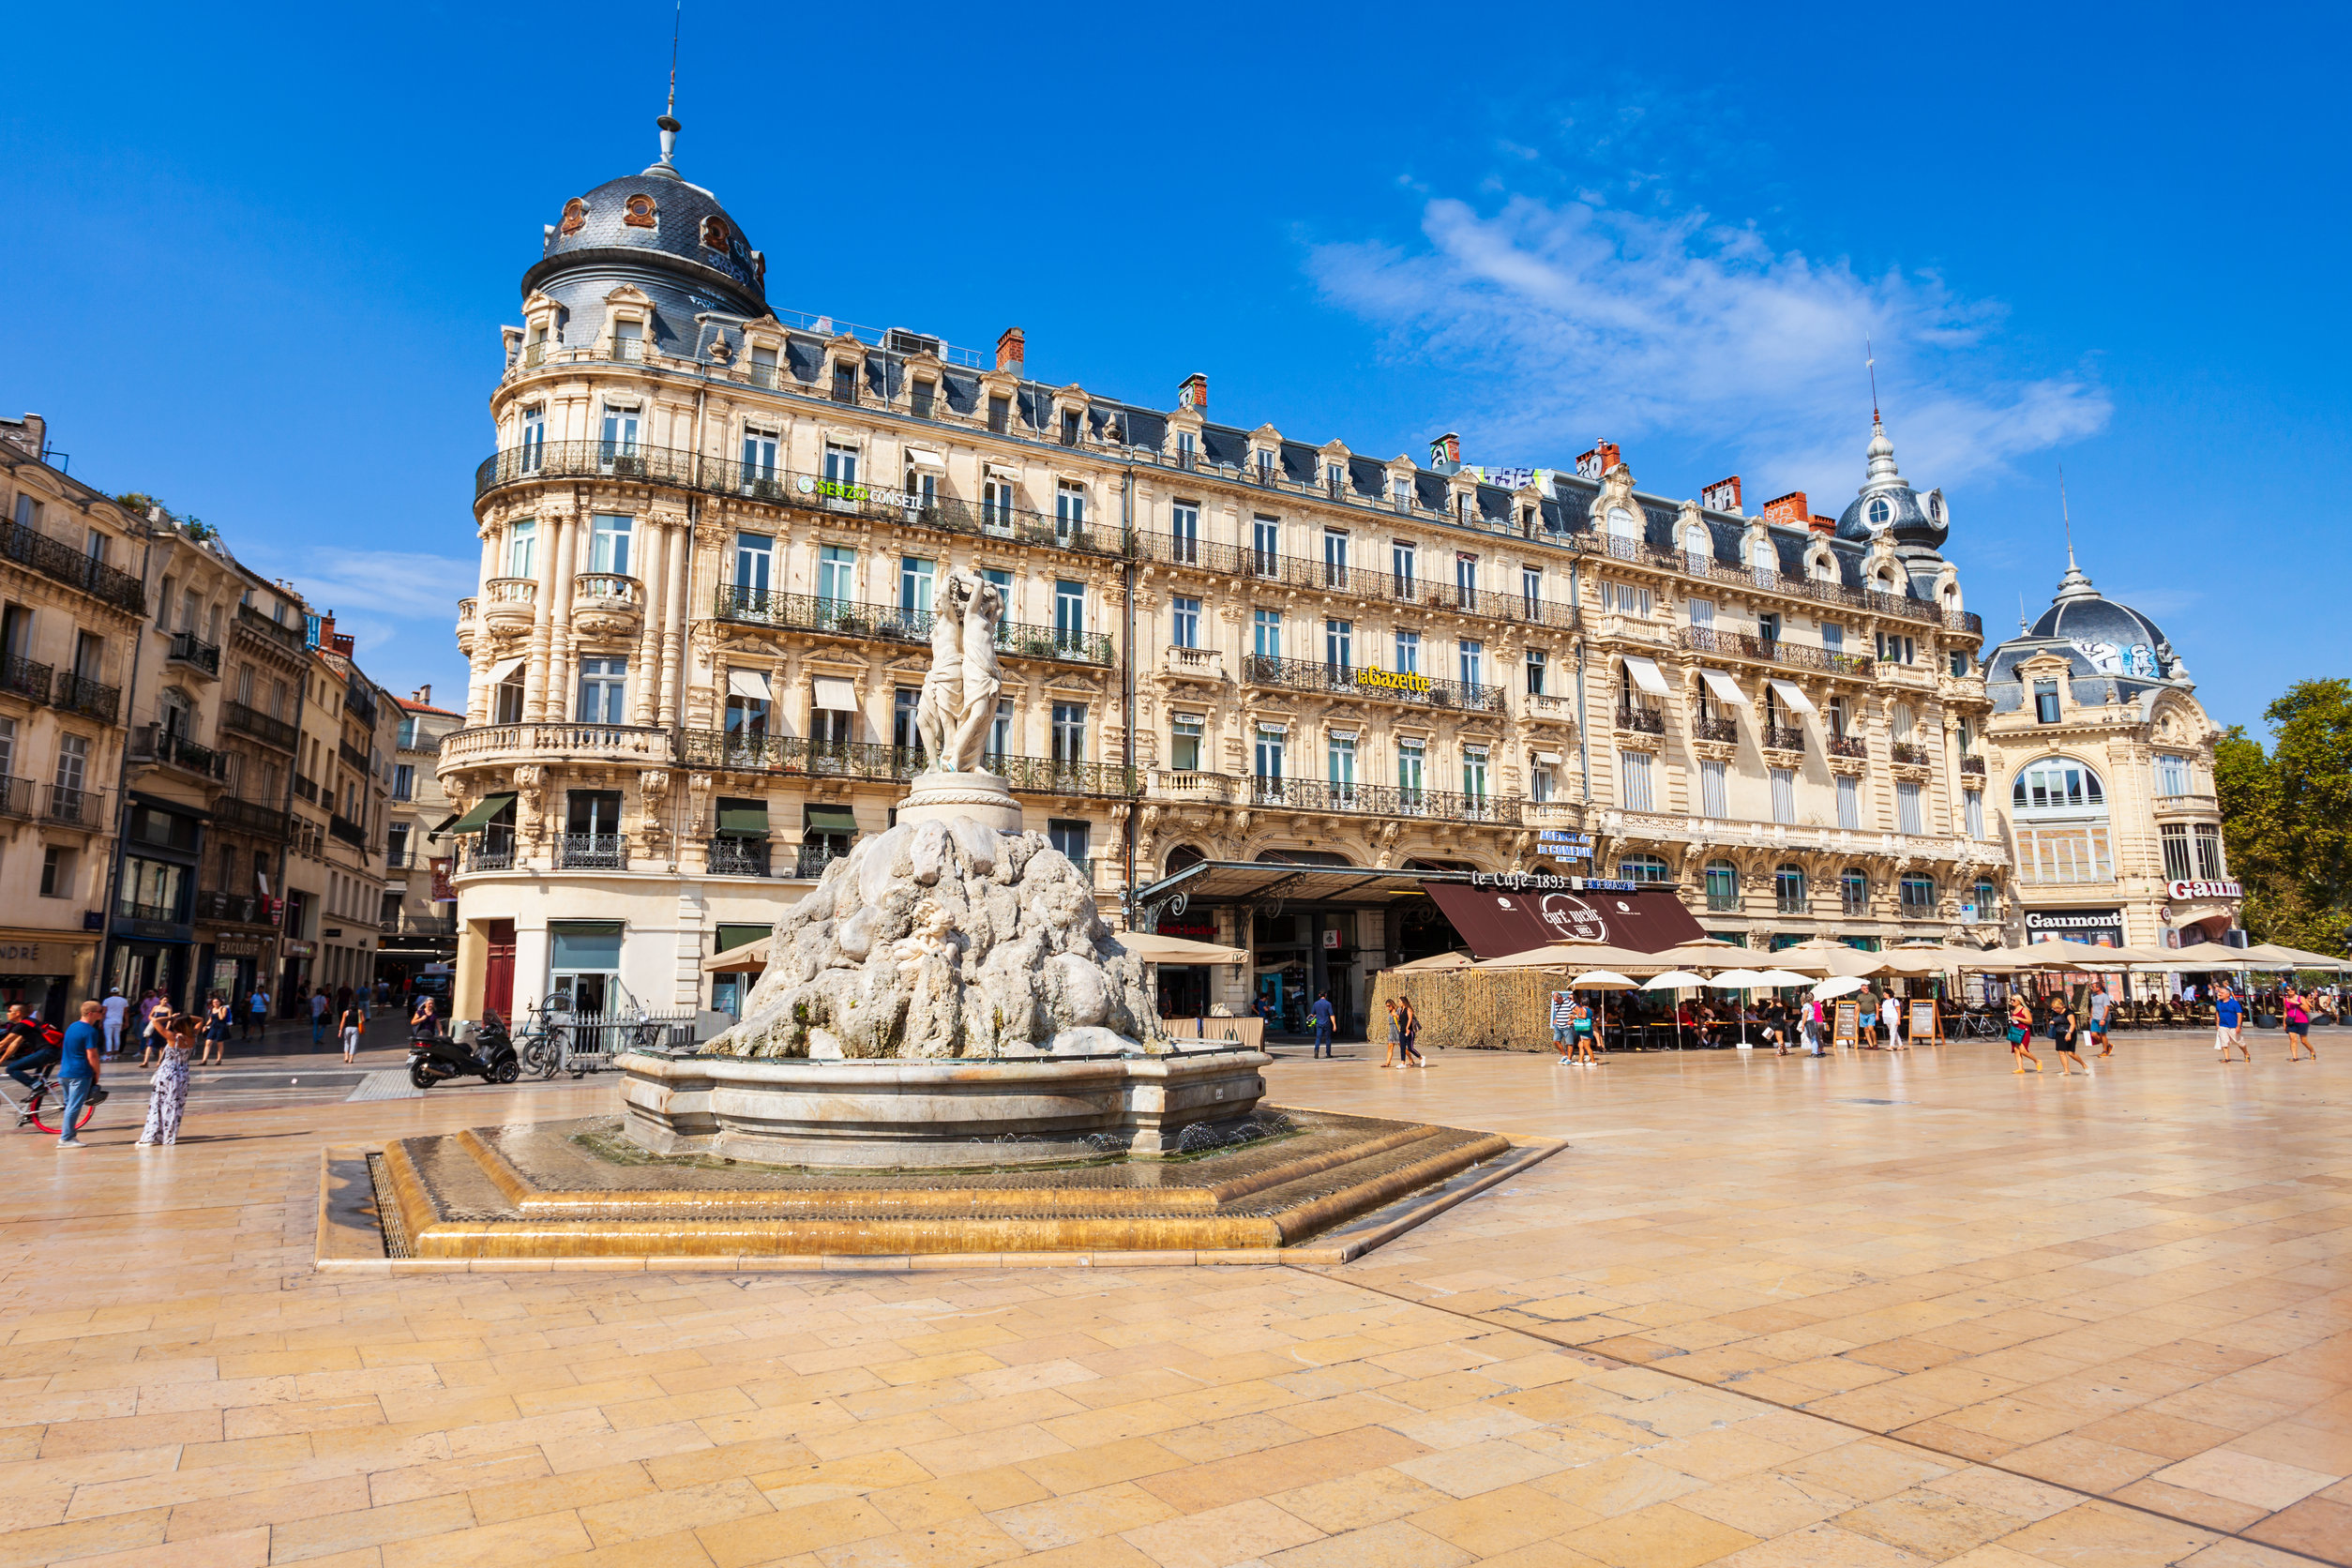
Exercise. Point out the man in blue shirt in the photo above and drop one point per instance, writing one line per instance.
(2230, 1017)
(77, 1074)
(1322, 1011)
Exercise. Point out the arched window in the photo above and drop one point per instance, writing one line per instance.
(1698, 545)
(1853, 891)
(2059, 786)
(1789, 889)
(1723, 885)
(1182, 856)
(1919, 895)
(1763, 560)
(1879, 511)
(1621, 523)
(1641, 869)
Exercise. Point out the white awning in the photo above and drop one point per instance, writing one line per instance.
(923, 456)
(835, 695)
(1549, 759)
(1646, 675)
(750, 682)
(1788, 692)
(1725, 687)
(505, 670)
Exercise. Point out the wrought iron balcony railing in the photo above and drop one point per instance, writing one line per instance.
(737, 857)
(153, 742)
(61, 562)
(348, 832)
(1706, 567)
(1381, 800)
(1847, 745)
(1910, 753)
(26, 678)
(1235, 561)
(157, 914)
(80, 694)
(1973, 766)
(1387, 685)
(244, 720)
(73, 807)
(18, 796)
(1782, 737)
(592, 851)
(848, 618)
(193, 651)
(1642, 720)
(252, 816)
(491, 850)
(812, 859)
(285, 638)
(798, 755)
(1705, 727)
(1771, 650)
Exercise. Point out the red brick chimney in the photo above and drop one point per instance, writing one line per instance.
(1011, 349)
(1789, 511)
(1193, 392)
(1722, 496)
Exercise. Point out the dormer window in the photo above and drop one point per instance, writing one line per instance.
(714, 233)
(920, 400)
(575, 217)
(762, 365)
(1069, 427)
(637, 212)
(1334, 478)
(1404, 492)
(628, 338)
(1878, 512)
(2046, 701)
(844, 381)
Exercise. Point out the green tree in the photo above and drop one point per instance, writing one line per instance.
(2288, 814)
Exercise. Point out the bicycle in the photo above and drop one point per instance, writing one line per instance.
(542, 1049)
(31, 1108)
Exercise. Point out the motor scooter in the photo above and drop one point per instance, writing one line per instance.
(488, 1056)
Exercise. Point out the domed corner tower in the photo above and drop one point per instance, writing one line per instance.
(2104, 763)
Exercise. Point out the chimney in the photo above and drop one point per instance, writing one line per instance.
(1193, 392)
(1010, 350)
(344, 644)
(1596, 464)
(29, 434)
(1445, 454)
(1824, 526)
(424, 694)
(1790, 510)
(1722, 496)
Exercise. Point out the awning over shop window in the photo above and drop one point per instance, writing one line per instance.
(1792, 694)
(750, 682)
(446, 823)
(1647, 675)
(1497, 924)
(505, 670)
(830, 818)
(834, 695)
(479, 817)
(1724, 686)
(746, 818)
(923, 456)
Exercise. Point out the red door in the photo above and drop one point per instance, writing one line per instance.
(498, 977)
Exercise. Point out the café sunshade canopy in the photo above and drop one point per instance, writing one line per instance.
(479, 817)
(1647, 675)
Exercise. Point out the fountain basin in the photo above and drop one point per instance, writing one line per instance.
(900, 1114)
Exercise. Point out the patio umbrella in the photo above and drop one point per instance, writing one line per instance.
(1674, 980)
(1841, 985)
(1434, 963)
(1822, 955)
(1571, 954)
(1153, 948)
(1603, 980)
(1742, 980)
(1705, 953)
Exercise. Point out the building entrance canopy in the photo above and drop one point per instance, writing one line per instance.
(1213, 884)
(1497, 923)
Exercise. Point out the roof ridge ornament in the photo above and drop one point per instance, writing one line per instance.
(667, 122)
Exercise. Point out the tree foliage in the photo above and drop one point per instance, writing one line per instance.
(2288, 814)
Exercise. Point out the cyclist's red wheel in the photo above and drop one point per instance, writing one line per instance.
(38, 1108)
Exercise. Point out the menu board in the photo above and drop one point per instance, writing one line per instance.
(1924, 1021)
(1847, 1029)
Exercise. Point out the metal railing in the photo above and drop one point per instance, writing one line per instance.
(1705, 728)
(1847, 745)
(252, 816)
(242, 908)
(73, 807)
(491, 850)
(26, 678)
(1380, 800)
(799, 755)
(57, 560)
(1908, 753)
(1642, 720)
(253, 721)
(592, 851)
(153, 742)
(1867, 601)
(353, 755)
(1771, 650)
(80, 694)
(1240, 562)
(1300, 674)
(17, 796)
(193, 651)
(344, 829)
(288, 639)
(737, 857)
(160, 915)
(306, 788)
(810, 860)
(1973, 766)
(1782, 737)
(849, 618)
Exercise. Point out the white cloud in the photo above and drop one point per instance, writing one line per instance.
(357, 585)
(1574, 320)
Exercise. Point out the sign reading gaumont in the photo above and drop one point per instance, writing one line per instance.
(2204, 890)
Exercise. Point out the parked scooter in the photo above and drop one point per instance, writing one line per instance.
(490, 1056)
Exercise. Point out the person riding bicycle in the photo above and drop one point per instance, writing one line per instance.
(29, 1047)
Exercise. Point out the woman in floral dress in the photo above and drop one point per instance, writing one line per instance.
(171, 1084)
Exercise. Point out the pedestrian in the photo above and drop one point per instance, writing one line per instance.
(1813, 1026)
(168, 1090)
(1563, 1026)
(318, 1018)
(25, 1046)
(422, 1025)
(2295, 1005)
(151, 1032)
(1867, 1027)
(213, 1029)
(2065, 1034)
(349, 1027)
(1580, 1031)
(1891, 1021)
(2229, 1020)
(117, 1007)
(1322, 1013)
(1409, 1052)
(2101, 1004)
(149, 1000)
(78, 1073)
(1395, 1033)
(2021, 1034)
(258, 1009)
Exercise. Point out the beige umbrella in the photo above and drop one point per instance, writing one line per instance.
(1153, 948)
(1842, 985)
(1675, 980)
(2304, 958)
(1706, 954)
(752, 958)
(1576, 956)
(1434, 963)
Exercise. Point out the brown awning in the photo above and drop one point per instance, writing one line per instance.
(1495, 922)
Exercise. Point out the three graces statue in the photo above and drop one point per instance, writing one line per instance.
(957, 704)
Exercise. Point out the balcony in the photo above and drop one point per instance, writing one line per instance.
(672, 468)
(1772, 651)
(1706, 569)
(606, 604)
(1240, 562)
(1380, 800)
(1385, 685)
(736, 857)
(1705, 728)
(1908, 754)
(493, 849)
(353, 757)
(232, 907)
(592, 851)
(810, 860)
(1194, 664)
(26, 678)
(19, 797)
(306, 788)
(884, 622)
(285, 639)
(191, 652)
(80, 694)
(61, 563)
(240, 719)
(1972, 767)
(509, 603)
(251, 816)
(1640, 721)
(1847, 745)
(67, 807)
(797, 756)
(150, 915)
(343, 829)
(154, 745)
(1781, 737)
(482, 743)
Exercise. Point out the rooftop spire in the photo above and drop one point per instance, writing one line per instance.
(666, 163)
(2073, 586)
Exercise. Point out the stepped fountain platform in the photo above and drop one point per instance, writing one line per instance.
(1293, 1186)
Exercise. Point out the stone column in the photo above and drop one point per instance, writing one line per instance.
(645, 674)
(554, 697)
(678, 566)
(555, 535)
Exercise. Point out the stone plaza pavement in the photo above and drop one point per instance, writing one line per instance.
(1868, 1310)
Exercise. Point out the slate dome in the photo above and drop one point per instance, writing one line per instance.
(1886, 502)
(656, 218)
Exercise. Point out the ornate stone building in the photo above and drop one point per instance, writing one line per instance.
(712, 529)
(2104, 767)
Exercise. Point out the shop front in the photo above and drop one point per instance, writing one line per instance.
(47, 975)
(1184, 989)
(230, 965)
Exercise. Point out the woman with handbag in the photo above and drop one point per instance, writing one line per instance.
(2296, 1007)
(1408, 1043)
(2021, 1034)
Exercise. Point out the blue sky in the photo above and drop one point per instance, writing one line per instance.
(256, 262)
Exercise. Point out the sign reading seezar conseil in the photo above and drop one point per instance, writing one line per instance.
(2204, 890)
